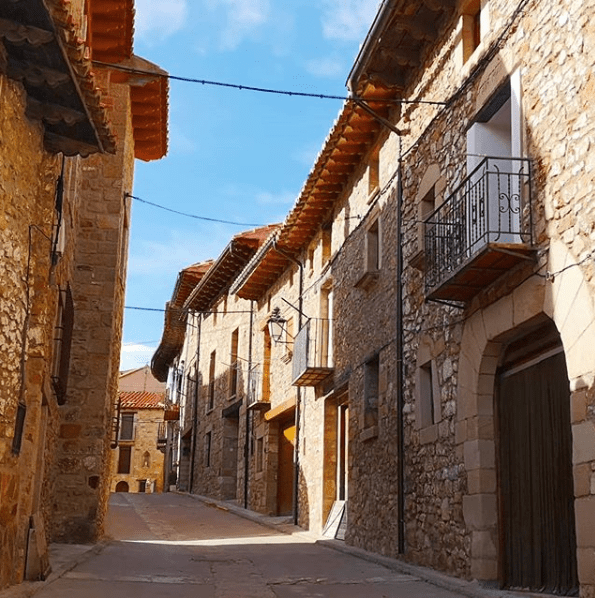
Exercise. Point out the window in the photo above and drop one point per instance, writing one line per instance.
(426, 392)
(127, 426)
(327, 241)
(124, 459)
(471, 21)
(266, 367)
(19, 426)
(211, 401)
(233, 368)
(373, 174)
(371, 389)
(62, 344)
(259, 454)
(373, 248)
(208, 449)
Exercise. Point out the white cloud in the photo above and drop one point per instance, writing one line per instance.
(268, 198)
(348, 20)
(135, 355)
(331, 66)
(156, 21)
(243, 19)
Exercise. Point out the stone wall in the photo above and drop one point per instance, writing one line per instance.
(27, 185)
(446, 464)
(145, 444)
(101, 231)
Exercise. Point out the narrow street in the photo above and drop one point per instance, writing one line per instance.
(173, 545)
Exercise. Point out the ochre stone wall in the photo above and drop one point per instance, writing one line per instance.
(83, 459)
(27, 185)
(145, 441)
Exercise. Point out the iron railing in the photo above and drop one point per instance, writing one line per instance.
(313, 350)
(492, 205)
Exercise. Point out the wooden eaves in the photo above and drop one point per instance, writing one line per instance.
(402, 34)
(174, 327)
(228, 265)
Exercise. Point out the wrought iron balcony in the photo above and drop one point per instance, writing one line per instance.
(312, 353)
(482, 230)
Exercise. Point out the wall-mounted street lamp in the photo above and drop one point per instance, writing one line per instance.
(276, 324)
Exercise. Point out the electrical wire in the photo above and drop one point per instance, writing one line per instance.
(156, 205)
(269, 90)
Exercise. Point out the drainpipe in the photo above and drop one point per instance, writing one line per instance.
(298, 399)
(247, 423)
(195, 408)
(400, 371)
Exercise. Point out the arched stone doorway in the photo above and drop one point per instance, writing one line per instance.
(567, 299)
(122, 487)
(537, 540)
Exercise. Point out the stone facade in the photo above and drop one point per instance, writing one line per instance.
(137, 461)
(430, 317)
(64, 231)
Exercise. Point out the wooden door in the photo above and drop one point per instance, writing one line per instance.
(538, 544)
(285, 468)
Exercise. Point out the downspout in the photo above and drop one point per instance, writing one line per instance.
(195, 408)
(298, 398)
(247, 423)
(400, 372)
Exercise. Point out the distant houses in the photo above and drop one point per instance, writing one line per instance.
(406, 361)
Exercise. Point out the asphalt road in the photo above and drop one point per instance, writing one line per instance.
(170, 545)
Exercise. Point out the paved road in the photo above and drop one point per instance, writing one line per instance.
(169, 545)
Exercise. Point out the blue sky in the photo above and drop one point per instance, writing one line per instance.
(233, 155)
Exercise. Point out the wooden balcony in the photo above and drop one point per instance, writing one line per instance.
(312, 353)
(482, 231)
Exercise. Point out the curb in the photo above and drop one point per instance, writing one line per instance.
(472, 589)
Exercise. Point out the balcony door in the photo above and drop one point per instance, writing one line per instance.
(494, 208)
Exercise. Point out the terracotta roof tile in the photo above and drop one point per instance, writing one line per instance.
(142, 400)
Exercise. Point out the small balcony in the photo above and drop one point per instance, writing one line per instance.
(312, 353)
(482, 230)
(162, 437)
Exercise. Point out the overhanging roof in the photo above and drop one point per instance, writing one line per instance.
(351, 137)
(111, 29)
(397, 43)
(174, 327)
(45, 54)
(229, 264)
(402, 34)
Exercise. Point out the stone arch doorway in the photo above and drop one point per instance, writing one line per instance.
(567, 300)
(537, 541)
(122, 487)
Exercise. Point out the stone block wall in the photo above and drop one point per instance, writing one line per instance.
(101, 231)
(145, 443)
(28, 177)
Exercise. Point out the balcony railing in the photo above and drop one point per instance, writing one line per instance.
(162, 436)
(482, 229)
(312, 353)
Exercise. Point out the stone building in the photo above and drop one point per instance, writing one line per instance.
(205, 348)
(70, 133)
(137, 461)
(433, 377)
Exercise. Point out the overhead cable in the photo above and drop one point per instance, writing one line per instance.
(302, 94)
(156, 205)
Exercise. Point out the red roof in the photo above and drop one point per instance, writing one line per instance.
(142, 400)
